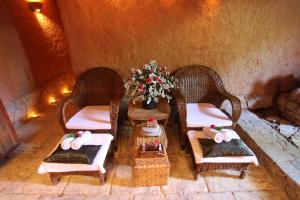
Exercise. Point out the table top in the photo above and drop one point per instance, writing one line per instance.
(137, 112)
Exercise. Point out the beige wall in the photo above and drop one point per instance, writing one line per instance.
(249, 42)
(15, 75)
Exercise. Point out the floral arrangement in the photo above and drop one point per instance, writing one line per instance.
(150, 83)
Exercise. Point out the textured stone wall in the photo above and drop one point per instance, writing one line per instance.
(34, 59)
(252, 44)
(16, 80)
(43, 39)
(15, 76)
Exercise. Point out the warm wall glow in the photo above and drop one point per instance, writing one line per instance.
(52, 100)
(47, 25)
(65, 90)
(42, 19)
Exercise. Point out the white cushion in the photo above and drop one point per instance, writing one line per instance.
(91, 118)
(205, 114)
(198, 153)
(96, 139)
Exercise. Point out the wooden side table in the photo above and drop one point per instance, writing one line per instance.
(137, 113)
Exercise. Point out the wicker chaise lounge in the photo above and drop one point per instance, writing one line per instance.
(94, 103)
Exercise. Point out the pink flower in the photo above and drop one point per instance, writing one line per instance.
(212, 126)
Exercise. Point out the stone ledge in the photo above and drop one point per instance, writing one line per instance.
(279, 157)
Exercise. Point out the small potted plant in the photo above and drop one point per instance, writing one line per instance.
(149, 84)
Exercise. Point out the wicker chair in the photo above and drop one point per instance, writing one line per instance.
(98, 88)
(200, 84)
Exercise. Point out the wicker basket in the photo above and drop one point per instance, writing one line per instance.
(151, 170)
(140, 138)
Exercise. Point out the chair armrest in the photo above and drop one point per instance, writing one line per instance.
(180, 102)
(181, 106)
(69, 107)
(235, 106)
(115, 103)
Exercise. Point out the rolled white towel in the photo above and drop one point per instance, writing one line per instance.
(227, 134)
(79, 141)
(66, 142)
(213, 134)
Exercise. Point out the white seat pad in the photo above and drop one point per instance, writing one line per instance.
(96, 139)
(91, 118)
(205, 114)
(198, 153)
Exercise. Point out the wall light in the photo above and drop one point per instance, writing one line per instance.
(32, 114)
(65, 90)
(52, 100)
(35, 6)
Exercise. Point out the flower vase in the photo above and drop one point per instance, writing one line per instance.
(150, 105)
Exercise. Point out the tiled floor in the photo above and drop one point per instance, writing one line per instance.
(19, 178)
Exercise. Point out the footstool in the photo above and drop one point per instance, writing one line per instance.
(150, 169)
(96, 169)
(202, 163)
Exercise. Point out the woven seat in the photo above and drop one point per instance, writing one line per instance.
(95, 98)
(199, 86)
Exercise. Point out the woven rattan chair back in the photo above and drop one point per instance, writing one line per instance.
(98, 85)
(198, 83)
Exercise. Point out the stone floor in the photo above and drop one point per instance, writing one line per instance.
(19, 178)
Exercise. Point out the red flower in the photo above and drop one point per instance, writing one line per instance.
(78, 134)
(151, 119)
(157, 79)
(141, 87)
(148, 80)
(212, 126)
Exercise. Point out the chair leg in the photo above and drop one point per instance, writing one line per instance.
(182, 141)
(243, 174)
(115, 147)
(54, 178)
(102, 178)
(195, 169)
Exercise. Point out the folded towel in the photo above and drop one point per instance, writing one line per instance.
(151, 129)
(154, 133)
(79, 141)
(66, 142)
(227, 134)
(213, 134)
